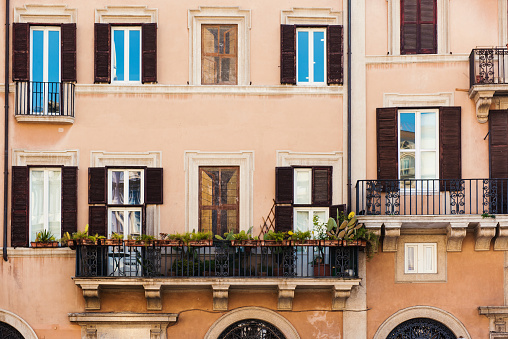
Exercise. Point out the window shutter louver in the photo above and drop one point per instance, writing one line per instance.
(498, 160)
(387, 148)
(428, 27)
(450, 143)
(149, 53)
(153, 185)
(335, 211)
(68, 51)
(287, 54)
(96, 185)
(102, 41)
(335, 43)
(283, 218)
(322, 186)
(20, 52)
(97, 220)
(69, 199)
(19, 208)
(418, 27)
(284, 185)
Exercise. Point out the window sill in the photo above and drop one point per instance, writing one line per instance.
(29, 252)
(45, 119)
(416, 58)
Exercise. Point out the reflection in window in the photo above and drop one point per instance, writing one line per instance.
(219, 54)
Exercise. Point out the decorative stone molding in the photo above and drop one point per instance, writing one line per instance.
(311, 16)
(220, 297)
(484, 232)
(153, 297)
(28, 252)
(392, 233)
(502, 10)
(501, 242)
(18, 323)
(497, 318)
(339, 297)
(103, 159)
(417, 100)
(482, 96)
(92, 296)
(286, 296)
(455, 234)
(46, 14)
(126, 14)
(46, 158)
(44, 119)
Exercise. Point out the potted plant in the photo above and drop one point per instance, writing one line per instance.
(342, 230)
(302, 238)
(200, 239)
(82, 238)
(44, 239)
(280, 238)
(241, 238)
(144, 240)
(321, 269)
(115, 240)
(179, 239)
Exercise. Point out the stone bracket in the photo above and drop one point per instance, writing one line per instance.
(497, 317)
(91, 332)
(339, 297)
(455, 234)
(484, 232)
(286, 296)
(220, 297)
(392, 233)
(156, 331)
(153, 297)
(91, 293)
(483, 100)
(501, 243)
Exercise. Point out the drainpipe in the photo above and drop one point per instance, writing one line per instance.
(349, 187)
(6, 142)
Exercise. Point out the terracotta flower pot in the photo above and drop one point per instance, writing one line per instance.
(50, 244)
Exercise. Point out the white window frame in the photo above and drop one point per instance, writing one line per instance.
(312, 211)
(45, 199)
(309, 188)
(126, 30)
(126, 226)
(311, 81)
(422, 262)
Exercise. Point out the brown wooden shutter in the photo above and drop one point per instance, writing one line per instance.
(153, 186)
(283, 218)
(96, 185)
(322, 186)
(287, 54)
(19, 208)
(149, 53)
(387, 148)
(418, 27)
(102, 67)
(20, 52)
(284, 185)
(498, 139)
(335, 211)
(450, 164)
(69, 199)
(335, 43)
(97, 220)
(68, 50)
(427, 27)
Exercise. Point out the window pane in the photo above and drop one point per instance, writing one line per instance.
(134, 222)
(321, 216)
(116, 222)
(428, 130)
(117, 187)
(134, 187)
(229, 186)
(54, 202)
(118, 55)
(207, 221)
(319, 56)
(206, 188)
(410, 259)
(219, 45)
(407, 130)
(303, 56)
(407, 165)
(134, 55)
(303, 184)
(53, 56)
(36, 203)
(302, 220)
(428, 255)
(428, 165)
(37, 55)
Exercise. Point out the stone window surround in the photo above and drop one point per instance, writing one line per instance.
(45, 158)
(311, 16)
(219, 15)
(126, 14)
(45, 14)
(18, 323)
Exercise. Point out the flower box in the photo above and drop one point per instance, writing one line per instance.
(276, 243)
(246, 243)
(201, 243)
(112, 242)
(50, 244)
(170, 243)
(308, 242)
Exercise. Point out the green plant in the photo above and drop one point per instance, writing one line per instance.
(144, 237)
(300, 236)
(44, 236)
(277, 236)
(486, 215)
(117, 236)
(198, 236)
(242, 235)
(65, 238)
(183, 237)
(79, 235)
(345, 230)
(320, 229)
(371, 239)
(96, 237)
(187, 267)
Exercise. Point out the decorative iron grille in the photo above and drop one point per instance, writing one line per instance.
(251, 329)
(421, 328)
(9, 332)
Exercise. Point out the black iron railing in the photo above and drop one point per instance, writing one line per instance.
(218, 260)
(431, 196)
(488, 66)
(44, 98)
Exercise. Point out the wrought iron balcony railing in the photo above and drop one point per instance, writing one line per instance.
(488, 66)
(431, 196)
(218, 260)
(44, 98)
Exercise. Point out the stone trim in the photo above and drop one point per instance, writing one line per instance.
(103, 159)
(30, 252)
(416, 59)
(220, 297)
(18, 323)
(497, 317)
(310, 16)
(484, 232)
(92, 296)
(44, 119)
(455, 234)
(502, 22)
(286, 296)
(252, 313)
(153, 296)
(50, 158)
(437, 314)
(482, 96)
(391, 238)
(416, 100)
(126, 14)
(45, 14)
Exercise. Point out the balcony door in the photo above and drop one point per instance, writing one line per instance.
(45, 70)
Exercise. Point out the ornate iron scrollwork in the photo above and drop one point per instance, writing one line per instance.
(251, 329)
(485, 66)
(221, 260)
(457, 196)
(9, 332)
(421, 328)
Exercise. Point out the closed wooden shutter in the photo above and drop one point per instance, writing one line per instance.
(418, 27)
(68, 50)
(322, 186)
(335, 43)
(69, 199)
(149, 52)
(96, 185)
(97, 220)
(387, 148)
(428, 27)
(287, 54)
(498, 161)
(19, 208)
(284, 185)
(153, 185)
(450, 162)
(283, 218)
(335, 211)
(20, 52)
(102, 66)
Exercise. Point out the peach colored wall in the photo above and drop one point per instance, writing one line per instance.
(473, 279)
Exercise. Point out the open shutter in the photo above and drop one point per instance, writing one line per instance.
(387, 151)
(102, 66)
(20, 52)
(450, 143)
(284, 185)
(19, 212)
(335, 211)
(149, 52)
(498, 160)
(96, 185)
(68, 50)
(69, 199)
(322, 186)
(97, 220)
(287, 54)
(283, 218)
(153, 186)
(335, 53)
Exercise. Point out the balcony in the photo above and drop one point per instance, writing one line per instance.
(44, 102)
(488, 77)
(221, 266)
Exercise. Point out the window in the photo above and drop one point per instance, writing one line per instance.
(418, 27)
(420, 258)
(45, 201)
(304, 220)
(310, 55)
(219, 199)
(219, 46)
(125, 54)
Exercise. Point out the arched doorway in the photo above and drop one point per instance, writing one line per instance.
(251, 329)
(421, 328)
(9, 332)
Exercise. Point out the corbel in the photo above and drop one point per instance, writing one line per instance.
(339, 297)
(153, 297)
(91, 294)
(392, 234)
(220, 297)
(483, 100)
(155, 331)
(286, 296)
(455, 234)
(484, 232)
(501, 243)
(90, 332)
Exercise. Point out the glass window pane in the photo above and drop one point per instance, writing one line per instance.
(116, 222)
(134, 187)
(321, 216)
(54, 202)
(428, 258)
(54, 56)
(36, 203)
(37, 55)
(303, 56)
(428, 130)
(428, 165)
(134, 222)
(407, 165)
(302, 220)
(118, 55)
(303, 184)
(319, 56)
(407, 130)
(229, 186)
(134, 55)
(117, 187)
(410, 259)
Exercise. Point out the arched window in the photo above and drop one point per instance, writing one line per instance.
(251, 329)
(9, 332)
(421, 328)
